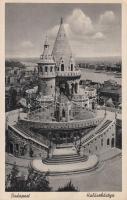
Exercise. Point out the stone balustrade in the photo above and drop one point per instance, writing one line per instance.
(48, 75)
(75, 124)
(68, 73)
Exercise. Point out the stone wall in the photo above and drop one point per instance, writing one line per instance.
(101, 142)
(47, 86)
(18, 145)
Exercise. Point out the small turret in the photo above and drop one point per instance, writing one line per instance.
(46, 74)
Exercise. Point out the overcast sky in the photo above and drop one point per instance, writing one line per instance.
(93, 29)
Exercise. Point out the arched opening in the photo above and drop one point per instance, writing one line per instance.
(46, 69)
(11, 148)
(71, 67)
(108, 141)
(62, 67)
(76, 87)
(93, 105)
(63, 113)
(112, 142)
(17, 147)
(72, 88)
(51, 69)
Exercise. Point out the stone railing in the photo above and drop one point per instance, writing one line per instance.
(48, 75)
(76, 124)
(110, 109)
(24, 134)
(69, 73)
(96, 134)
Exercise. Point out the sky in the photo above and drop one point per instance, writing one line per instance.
(93, 30)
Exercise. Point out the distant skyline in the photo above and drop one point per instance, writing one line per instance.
(93, 29)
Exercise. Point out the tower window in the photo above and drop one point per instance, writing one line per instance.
(51, 69)
(71, 67)
(46, 69)
(62, 67)
(63, 113)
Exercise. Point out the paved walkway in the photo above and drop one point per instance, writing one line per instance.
(111, 153)
(65, 151)
(65, 168)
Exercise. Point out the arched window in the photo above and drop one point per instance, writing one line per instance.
(63, 113)
(46, 68)
(71, 67)
(62, 67)
(76, 87)
(112, 142)
(108, 141)
(51, 69)
(17, 147)
(72, 88)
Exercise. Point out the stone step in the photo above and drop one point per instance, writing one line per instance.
(65, 159)
(63, 162)
(66, 156)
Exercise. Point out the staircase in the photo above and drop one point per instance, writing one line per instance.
(100, 130)
(64, 159)
(31, 135)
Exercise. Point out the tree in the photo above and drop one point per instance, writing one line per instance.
(69, 187)
(11, 181)
(33, 182)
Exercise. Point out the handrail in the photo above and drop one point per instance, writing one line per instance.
(99, 133)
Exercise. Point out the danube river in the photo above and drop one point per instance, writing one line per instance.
(98, 77)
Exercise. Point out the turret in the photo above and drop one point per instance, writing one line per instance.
(46, 73)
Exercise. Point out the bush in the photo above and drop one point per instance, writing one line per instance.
(34, 181)
(68, 188)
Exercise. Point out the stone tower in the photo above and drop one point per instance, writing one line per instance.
(46, 75)
(67, 73)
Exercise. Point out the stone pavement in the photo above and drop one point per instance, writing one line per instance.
(65, 168)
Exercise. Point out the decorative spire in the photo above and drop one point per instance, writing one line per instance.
(46, 47)
(46, 41)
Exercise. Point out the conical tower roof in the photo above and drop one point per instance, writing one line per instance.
(61, 47)
(46, 57)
